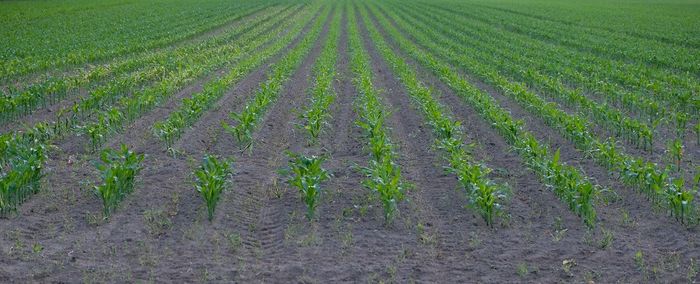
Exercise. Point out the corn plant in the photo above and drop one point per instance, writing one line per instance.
(21, 161)
(384, 178)
(570, 126)
(484, 195)
(119, 169)
(307, 174)
(271, 89)
(681, 124)
(211, 180)
(674, 151)
(566, 181)
(187, 65)
(383, 174)
(316, 115)
(680, 199)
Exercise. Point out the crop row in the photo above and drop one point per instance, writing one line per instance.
(485, 196)
(111, 32)
(604, 44)
(46, 91)
(634, 171)
(42, 133)
(567, 182)
(170, 129)
(315, 115)
(638, 133)
(383, 173)
(269, 91)
(666, 88)
(305, 172)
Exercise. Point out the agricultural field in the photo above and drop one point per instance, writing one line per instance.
(286, 141)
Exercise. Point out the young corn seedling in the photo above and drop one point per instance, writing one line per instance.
(119, 169)
(384, 178)
(675, 153)
(680, 199)
(681, 123)
(21, 161)
(306, 174)
(211, 180)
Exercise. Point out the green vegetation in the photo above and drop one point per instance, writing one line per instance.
(306, 174)
(383, 173)
(543, 118)
(270, 90)
(118, 169)
(485, 196)
(211, 180)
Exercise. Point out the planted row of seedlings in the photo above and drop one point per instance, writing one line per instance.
(505, 49)
(212, 176)
(383, 173)
(548, 60)
(670, 89)
(256, 107)
(634, 171)
(129, 108)
(171, 128)
(601, 43)
(21, 163)
(485, 196)
(638, 133)
(21, 102)
(315, 116)
(120, 167)
(305, 171)
(41, 134)
(87, 43)
(570, 185)
(671, 192)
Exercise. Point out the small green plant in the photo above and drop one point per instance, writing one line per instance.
(37, 248)
(680, 199)
(567, 265)
(626, 219)
(522, 269)
(639, 260)
(384, 178)
(675, 153)
(235, 241)
(692, 270)
(306, 174)
(119, 169)
(607, 239)
(211, 180)
(681, 124)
